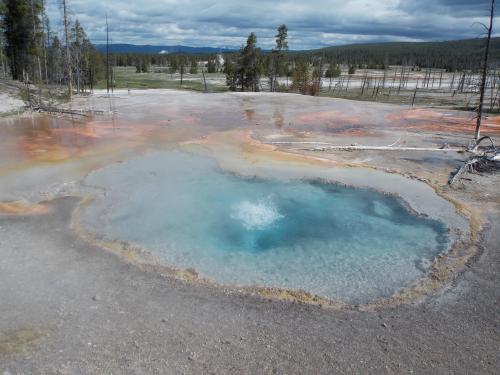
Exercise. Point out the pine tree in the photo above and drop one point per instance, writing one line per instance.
(3, 57)
(249, 67)
(20, 36)
(300, 78)
(211, 66)
(277, 55)
(56, 61)
(182, 68)
(333, 71)
(193, 69)
(231, 71)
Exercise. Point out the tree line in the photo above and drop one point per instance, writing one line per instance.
(171, 63)
(450, 55)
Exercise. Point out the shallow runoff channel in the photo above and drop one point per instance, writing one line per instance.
(348, 234)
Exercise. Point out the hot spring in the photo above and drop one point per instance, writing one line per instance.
(337, 242)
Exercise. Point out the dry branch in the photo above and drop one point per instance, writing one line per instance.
(485, 160)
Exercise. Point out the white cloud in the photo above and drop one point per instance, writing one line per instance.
(312, 23)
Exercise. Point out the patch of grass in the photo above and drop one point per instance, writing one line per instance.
(18, 340)
(126, 78)
(404, 96)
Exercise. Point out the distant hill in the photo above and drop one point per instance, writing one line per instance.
(450, 54)
(148, 49)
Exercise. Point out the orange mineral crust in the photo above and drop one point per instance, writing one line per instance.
(442, 121)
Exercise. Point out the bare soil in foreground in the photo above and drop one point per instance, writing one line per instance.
(70, 307)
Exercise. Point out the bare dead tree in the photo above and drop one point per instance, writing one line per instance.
(320, 74)
(107, 54)
(482, 159)
(204, 81)
(401, 78)
(45, 45)
(111, 70)
(452, 81)
(482, 86)
(364, 83)
(181, 70)
(386, 69)
(414, 94)
(68, 53)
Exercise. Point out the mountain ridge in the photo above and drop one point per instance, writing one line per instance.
(149, 48)
(152, 49)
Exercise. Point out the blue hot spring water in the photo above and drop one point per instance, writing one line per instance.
(338, 242)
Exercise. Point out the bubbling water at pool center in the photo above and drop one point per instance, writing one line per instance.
(337, 242)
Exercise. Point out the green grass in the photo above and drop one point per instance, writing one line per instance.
(127, 78)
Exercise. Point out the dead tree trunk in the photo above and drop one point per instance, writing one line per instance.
(385, 74)
(107, 55)
(46, 31)
(68, 53)
(111, 70)
(482, 86)
(414, 95)
(461, 83)
(204, 81)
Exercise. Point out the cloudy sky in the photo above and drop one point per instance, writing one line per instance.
(311, 23)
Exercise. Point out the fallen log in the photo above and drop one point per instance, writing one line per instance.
(324, 146)
(65, 111)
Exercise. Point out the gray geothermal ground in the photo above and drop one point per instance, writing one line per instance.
(70, 307)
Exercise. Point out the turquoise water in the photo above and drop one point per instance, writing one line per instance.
(333, 241)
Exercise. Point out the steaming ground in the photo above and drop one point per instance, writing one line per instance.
(69, 307)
